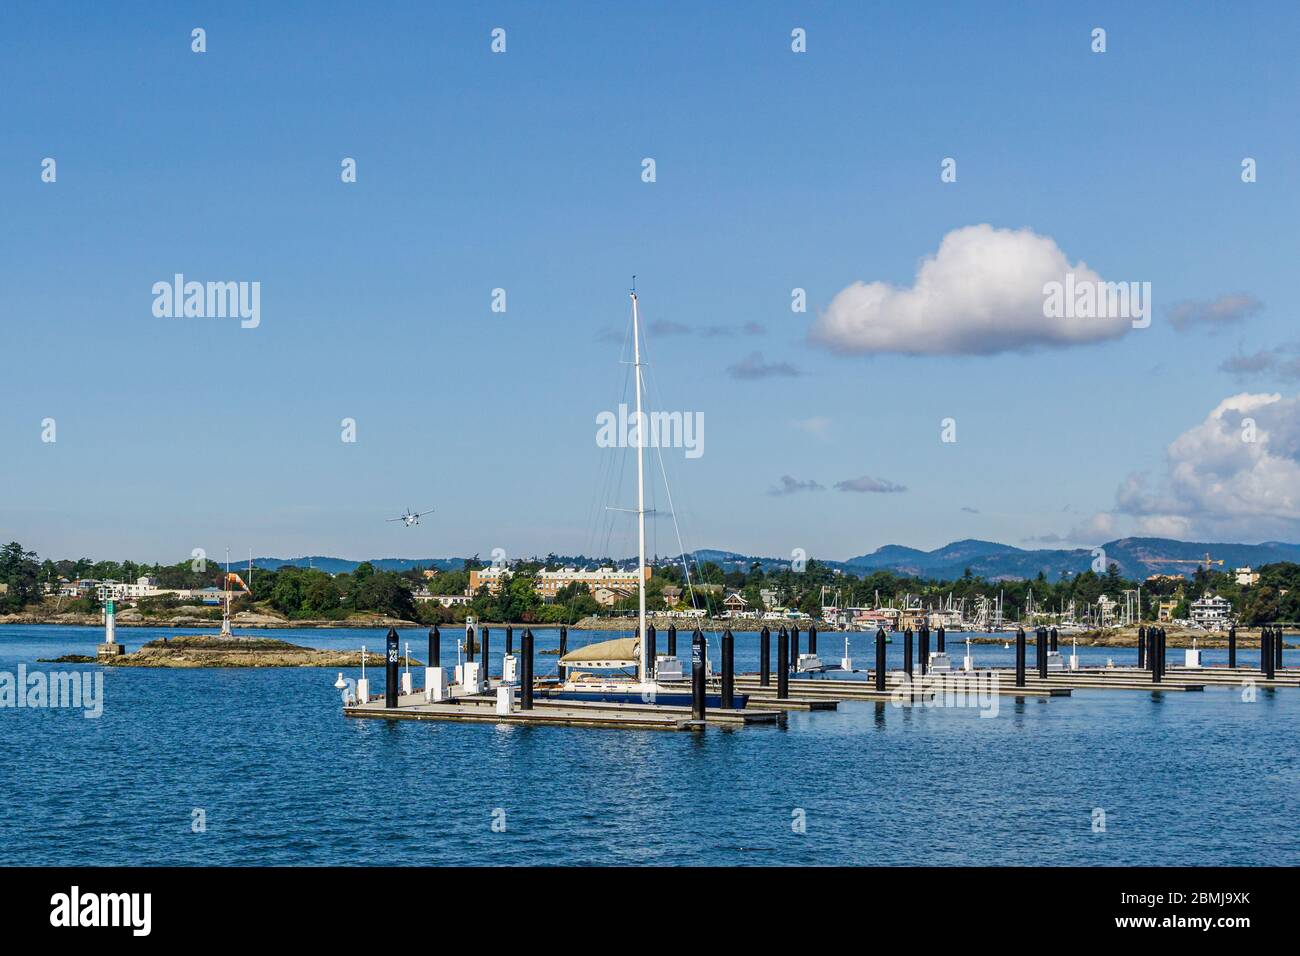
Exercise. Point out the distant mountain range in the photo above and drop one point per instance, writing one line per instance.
(1137, 558)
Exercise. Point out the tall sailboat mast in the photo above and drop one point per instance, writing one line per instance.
(643, 665)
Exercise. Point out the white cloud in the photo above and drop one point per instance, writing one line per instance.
(1218, 482)
(981, 293)
(1096, 530)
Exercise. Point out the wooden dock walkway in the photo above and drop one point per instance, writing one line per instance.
(481, 708)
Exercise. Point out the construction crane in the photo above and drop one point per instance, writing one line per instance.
(1207, 561)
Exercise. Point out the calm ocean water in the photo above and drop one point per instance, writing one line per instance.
(283, 778)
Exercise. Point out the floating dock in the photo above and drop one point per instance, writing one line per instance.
(517, 698)
(482, 708)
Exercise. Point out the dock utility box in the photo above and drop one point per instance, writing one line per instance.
(668, 668)
(1055, 662)
(435, 683)
(940, 663)
(1191, 657)
(809, 663)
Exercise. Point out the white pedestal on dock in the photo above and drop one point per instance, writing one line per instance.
(1074, 662)
(1191, 657)
(472, 677)
(406, 682)
(510, 669)
(435, 683)
(363, 690)
(505, 700)
(668, 668)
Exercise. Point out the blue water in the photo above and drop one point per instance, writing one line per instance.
(284, 778)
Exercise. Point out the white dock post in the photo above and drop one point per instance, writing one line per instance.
(406, 674)
(363, 685)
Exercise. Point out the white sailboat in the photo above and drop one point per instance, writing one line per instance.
(615, 680)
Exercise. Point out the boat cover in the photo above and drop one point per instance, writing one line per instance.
(616, 653)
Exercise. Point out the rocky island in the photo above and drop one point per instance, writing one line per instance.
(215, 650)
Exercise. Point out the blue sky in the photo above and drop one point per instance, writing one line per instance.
(522, 171)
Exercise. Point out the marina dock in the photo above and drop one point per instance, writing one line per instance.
(672, 702)
(482, 708)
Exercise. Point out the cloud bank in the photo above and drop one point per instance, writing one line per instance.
(1236, 472)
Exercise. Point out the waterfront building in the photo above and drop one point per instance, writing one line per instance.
(735, 603)
(1212, 612)
(1246, 577)
(549, 583)
(609, 596)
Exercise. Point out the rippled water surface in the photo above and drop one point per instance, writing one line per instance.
(283, 778)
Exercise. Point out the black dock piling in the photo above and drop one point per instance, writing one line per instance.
(487, 667)
(564, 640)
(1020, 657)
(728, 670)
(697, 675)
(880, 659)
(794, 648)
(390, 669)
(1266, 652)
(1232, 646)
(1277, 647)
(907, 653)
(783, 664)
(1142, 646)
(672, 640)
(435, 647)
(652, 650)
(526, 670)
(510, 639)
(1054, 635)
(1156, 652)
(764, 658)
(812, 639)
(1041, 652)
(939, 640)
(469, 642)
(923, 648)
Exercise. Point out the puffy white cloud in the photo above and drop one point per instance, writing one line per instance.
(1236, 472)
(980, 293)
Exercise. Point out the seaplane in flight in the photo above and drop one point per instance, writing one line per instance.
(411, 517)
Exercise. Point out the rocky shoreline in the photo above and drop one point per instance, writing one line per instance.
(214, 650)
